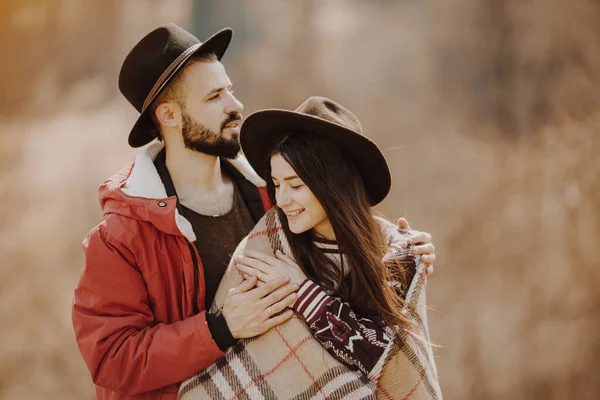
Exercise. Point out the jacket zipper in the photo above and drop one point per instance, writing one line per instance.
(195, 262)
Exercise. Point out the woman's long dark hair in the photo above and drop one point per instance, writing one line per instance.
(330, 174)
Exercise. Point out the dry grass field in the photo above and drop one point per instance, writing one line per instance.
(488, 112)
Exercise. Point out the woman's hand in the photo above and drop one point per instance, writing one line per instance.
(422, 242)
(267, 268)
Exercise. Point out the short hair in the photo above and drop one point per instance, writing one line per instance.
(174, 91)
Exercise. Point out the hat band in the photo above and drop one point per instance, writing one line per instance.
(161, 80)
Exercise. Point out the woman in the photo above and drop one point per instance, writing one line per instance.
(361, 292)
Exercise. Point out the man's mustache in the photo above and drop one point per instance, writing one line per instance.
(231, 118)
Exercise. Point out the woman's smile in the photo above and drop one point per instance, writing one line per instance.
(294, 213)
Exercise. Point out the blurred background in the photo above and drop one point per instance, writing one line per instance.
(488, 111)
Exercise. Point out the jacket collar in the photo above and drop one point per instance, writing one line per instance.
(145, 182)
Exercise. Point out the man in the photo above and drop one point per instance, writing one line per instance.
(172, 218)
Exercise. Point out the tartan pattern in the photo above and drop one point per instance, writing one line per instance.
(287, 362)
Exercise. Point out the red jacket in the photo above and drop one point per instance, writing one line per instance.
(133, 309)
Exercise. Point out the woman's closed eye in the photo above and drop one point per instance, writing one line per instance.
(298, 186)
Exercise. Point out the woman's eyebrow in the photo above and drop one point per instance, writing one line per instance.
(289, 178)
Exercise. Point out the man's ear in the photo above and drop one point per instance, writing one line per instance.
(166, 114)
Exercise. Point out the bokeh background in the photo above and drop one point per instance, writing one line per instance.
(488, 111)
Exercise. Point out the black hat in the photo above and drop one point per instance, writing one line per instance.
(153, 62)
(262, 130)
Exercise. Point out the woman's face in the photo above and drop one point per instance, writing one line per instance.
(303, 210)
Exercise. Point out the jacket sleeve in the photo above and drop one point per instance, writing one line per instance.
(122, 345)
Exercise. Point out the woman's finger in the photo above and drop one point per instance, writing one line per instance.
(254, 263)
(253, 272)
(428, 259)
(419, 237)
(426, 248)
(403, 224)
(259, 255)
(280, 255)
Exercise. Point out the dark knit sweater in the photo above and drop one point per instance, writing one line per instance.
(354, 340)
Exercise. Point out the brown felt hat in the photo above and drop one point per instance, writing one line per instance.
(262, 130)
(153, 62)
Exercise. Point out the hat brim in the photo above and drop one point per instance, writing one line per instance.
(144, 130)
(262, 130)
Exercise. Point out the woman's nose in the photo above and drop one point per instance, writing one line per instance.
(282, 198)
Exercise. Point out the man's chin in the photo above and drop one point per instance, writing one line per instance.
(225, 150)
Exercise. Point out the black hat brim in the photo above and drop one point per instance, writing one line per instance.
(144, 130)
(262, 130)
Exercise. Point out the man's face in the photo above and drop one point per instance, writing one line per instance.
(211, 115)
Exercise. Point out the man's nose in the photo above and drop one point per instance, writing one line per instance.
(234, 105)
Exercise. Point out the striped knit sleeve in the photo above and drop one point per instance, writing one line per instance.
(355, 341)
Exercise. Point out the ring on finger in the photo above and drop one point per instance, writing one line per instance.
(260, 276)
(269, 311)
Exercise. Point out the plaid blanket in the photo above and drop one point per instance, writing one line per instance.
(287, 362)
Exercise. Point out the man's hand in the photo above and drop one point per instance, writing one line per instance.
(422, 242)
(248, 309)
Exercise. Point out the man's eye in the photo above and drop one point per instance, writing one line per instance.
(216, 96)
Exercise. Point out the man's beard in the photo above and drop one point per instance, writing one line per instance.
(199, 138)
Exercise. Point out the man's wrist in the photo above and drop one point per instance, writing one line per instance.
(220, 331)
